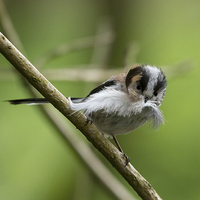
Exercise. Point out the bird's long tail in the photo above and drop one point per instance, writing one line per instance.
(37, 101)
(30, 101)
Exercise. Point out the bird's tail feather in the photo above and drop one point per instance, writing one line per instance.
(37, 101)
(30, 101)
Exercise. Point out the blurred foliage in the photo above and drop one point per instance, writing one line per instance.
(36, 164)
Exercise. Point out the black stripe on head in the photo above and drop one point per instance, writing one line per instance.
(161, 83)
(145, 79)
(133, 75)
(102, 86)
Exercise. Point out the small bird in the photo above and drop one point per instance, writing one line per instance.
(121, 104)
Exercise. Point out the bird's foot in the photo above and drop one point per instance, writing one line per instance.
(127, 159)
(88, 121)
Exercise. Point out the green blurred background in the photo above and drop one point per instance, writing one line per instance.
(37, 164)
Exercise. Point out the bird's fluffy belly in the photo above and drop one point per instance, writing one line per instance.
(115, 113)
(113, 124)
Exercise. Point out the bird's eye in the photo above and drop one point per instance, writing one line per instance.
(155, 93)
(139, 87)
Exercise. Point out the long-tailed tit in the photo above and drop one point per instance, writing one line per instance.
(123, 103)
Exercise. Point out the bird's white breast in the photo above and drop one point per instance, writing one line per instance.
(114, 113)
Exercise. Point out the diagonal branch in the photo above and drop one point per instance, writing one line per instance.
(85, 153)
(35, 78)
(95, 165)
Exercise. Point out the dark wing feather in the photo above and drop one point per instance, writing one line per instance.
(108, 83)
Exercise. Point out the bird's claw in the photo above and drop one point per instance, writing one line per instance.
(127, 159)
(88, 121)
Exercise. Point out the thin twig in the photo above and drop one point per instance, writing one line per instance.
(96, 73)
(101, 54)
(79, 44)
(181, 68)
(93, 74)
(8, 26)
(35, 78)
(130, 54)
